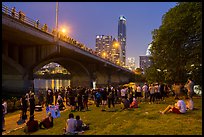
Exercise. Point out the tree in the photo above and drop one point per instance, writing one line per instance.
(177, 44)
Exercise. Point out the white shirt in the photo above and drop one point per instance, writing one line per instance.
(151, 89)
(5, 107)
(123, 92)
(71, 125)
(144, 88)
(139, 89)
(181, 104)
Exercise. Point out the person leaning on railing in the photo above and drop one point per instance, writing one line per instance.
(37, 23)
(13, 12)
(20, 15)
(44, 28)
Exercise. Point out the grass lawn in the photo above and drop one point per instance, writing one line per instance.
(141, 121)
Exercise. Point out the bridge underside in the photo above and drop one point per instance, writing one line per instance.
(16, 78)
(27, 49)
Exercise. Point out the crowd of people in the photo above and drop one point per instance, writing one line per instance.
(76, 99)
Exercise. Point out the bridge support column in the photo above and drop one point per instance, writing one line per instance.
(29, 81)
(92, 75)
(109, 78)
(82, 81)
(5, 48)
(93, 78)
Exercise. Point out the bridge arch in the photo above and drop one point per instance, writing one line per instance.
(80, 76)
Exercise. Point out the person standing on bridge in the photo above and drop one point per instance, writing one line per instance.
(13, 12)
(20, 14)
(37, 23)
(45, 27)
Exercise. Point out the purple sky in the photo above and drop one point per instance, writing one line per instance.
(85, 20)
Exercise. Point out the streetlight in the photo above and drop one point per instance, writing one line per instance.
(64, 30)
(56, 21)
(57, 33)
(162, 72)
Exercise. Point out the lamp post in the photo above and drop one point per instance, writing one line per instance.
(57, 33)
(161, 74)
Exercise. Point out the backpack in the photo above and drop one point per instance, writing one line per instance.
(98, 95)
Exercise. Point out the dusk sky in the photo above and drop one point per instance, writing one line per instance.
(85, 20)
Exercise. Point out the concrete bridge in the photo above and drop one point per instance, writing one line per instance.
(27, 48)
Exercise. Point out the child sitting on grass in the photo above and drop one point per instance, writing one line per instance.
(134, 104)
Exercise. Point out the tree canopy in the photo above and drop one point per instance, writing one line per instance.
(177, 45)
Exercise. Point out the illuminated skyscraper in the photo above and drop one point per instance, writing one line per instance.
(122, 39)
(131, 63)
(115, 51)
(104, 45)
(145, 62)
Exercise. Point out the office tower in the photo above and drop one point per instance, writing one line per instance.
(131, 63)
(122, 39)
(145, 62)
(104, 46)
(115, 51)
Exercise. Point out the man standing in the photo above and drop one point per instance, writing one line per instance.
(32, 104)
(190, 88)
(145, 90)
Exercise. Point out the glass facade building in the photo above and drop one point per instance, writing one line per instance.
(145, 62)
(104, 45)
(122, 39)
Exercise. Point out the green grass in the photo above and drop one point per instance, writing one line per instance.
(141, 121)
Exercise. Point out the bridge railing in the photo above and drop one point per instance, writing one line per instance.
(24, 19)
(19, 15)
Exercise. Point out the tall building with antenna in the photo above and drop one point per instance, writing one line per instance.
(122, 39)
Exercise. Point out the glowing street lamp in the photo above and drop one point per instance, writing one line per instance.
(64, 30)
(57, 33)
(158, 70)
(56, 19)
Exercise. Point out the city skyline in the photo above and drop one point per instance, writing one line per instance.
(85, 20)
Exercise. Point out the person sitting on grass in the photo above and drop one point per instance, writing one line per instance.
(189, 104)
(79, 125)
(47, 122)
(31, 125)
(70, 128)
(126, 104)
(178, 108)
(134, 104)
